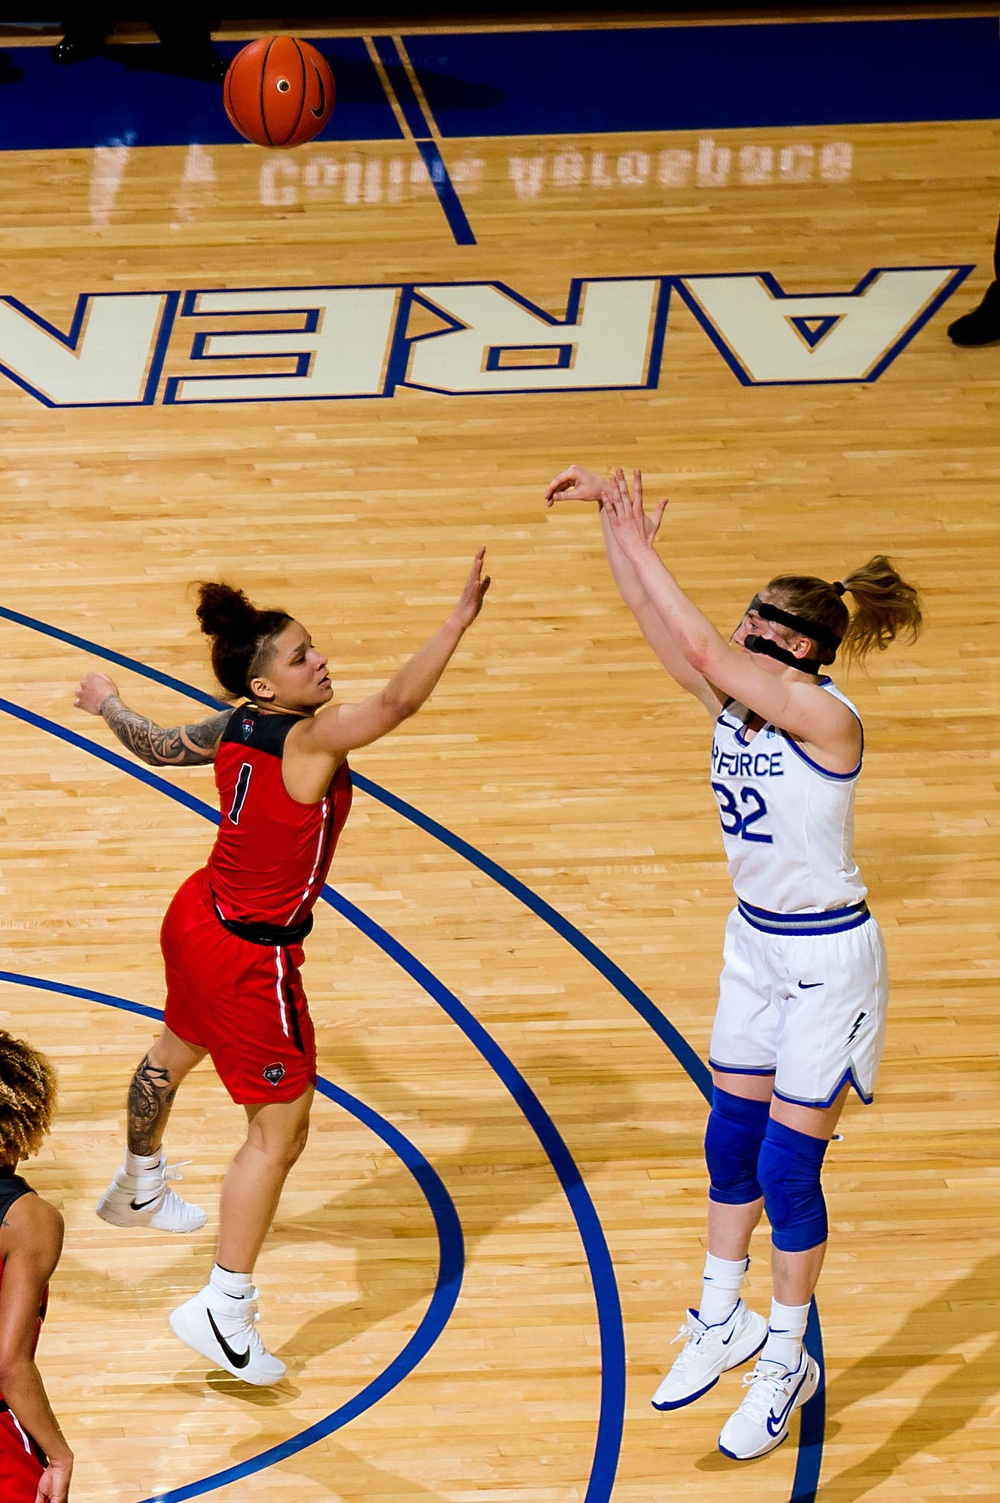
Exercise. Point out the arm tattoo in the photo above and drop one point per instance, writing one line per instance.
(150, 1097)
(182, 746)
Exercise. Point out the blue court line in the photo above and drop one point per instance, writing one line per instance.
(392, 56)
(665, 1031)
(609, 1316)
(810, 1452)
(451, 1262)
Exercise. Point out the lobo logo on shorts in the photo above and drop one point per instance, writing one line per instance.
(274, 1073)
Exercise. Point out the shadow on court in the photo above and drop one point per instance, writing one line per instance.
(496, 1178)
(939, 1333)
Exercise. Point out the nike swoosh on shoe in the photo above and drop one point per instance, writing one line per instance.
(144, 1205)
(238, 1359)
(779, 1419)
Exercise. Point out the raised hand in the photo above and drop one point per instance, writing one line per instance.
(575, 484)
(473, 594)
(633, 528)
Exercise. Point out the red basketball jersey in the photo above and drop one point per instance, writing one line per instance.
(271, 855)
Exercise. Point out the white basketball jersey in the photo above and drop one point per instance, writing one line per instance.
(787, 823)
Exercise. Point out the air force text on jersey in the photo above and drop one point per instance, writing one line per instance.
(328, 343)
(749, 764)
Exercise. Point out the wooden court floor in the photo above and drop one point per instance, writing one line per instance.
(480, 1262)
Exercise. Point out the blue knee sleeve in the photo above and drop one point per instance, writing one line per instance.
(733, 1140)
(789, 1169)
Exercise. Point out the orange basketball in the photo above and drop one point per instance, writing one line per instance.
(278, 91)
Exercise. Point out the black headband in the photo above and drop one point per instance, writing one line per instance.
(811, 629)
(770, 649)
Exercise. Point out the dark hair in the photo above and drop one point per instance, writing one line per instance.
(885, 605)
(27, 1098)
(242, 636)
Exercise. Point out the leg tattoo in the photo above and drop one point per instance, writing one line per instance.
(150, 1097)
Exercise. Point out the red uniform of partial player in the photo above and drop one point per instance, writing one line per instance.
(22, 1462)
(231, 938)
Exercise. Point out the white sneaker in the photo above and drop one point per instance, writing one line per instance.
(773, 1395)
(224, 1331)
(708, 1352)
(145, 1200)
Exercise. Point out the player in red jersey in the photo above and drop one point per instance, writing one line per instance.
(232, 936)
(35, 1461)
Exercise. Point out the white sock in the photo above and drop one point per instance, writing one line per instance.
(137, 1163)
(786, 1328)
(236, 1285)
(720, 1288)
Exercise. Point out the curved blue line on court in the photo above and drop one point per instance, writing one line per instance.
(810, 1451)
(609, 1317)
(451, 1262)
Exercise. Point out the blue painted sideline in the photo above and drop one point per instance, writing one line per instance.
(609, 1317)
(810, 1452)
(451, 1263)
(393, 58)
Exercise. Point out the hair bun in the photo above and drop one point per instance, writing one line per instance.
(226, 612)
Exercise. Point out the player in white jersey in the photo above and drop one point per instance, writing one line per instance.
(802, 996)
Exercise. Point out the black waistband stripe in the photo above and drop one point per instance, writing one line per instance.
(266, 934)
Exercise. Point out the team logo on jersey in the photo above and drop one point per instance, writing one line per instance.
(273, 1073)
(246, 726)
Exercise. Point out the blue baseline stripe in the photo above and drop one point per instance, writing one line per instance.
(809, 1459)
(393, 59)
(449, 200)
(451, 1263)
(609, 1316)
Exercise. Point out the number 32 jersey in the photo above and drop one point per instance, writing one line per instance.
(787, 823)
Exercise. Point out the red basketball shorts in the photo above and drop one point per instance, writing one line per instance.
(21, 1462)
(241, 1001)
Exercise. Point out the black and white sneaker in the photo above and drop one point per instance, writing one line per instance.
(224, 1331)
(146, 1200)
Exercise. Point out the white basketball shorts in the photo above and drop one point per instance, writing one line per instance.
(802, 997)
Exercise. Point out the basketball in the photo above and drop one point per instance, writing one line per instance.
(278, 91)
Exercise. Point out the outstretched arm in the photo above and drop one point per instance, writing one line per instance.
(181, 746)
(341, 728)
(817, 719)
(577, 484)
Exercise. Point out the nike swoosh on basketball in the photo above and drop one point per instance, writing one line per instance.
(316, 112)
(238, 1359)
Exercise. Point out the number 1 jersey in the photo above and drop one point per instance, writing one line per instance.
(272, 854)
